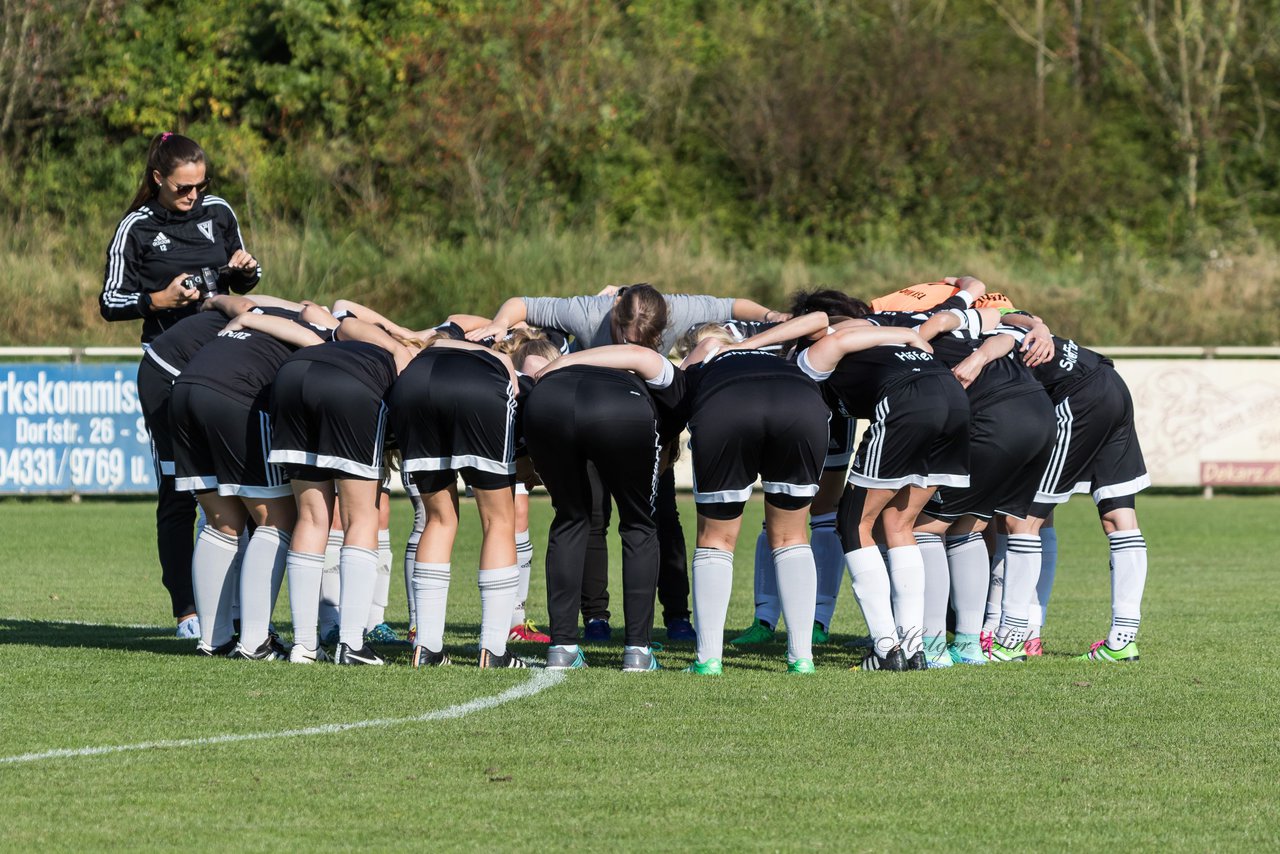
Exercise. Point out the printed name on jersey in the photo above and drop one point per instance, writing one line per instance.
(161, 242)
(914, 356)
(238, 334)
(1070, 355)
(206, 228)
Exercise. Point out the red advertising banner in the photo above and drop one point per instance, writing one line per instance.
(1240, 474)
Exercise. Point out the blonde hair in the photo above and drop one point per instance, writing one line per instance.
(411, 343)
(690, 339)
(516, 338)
(538, 345)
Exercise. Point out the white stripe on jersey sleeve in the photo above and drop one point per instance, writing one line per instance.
(115, 261)
(666, 375)
(814, 373)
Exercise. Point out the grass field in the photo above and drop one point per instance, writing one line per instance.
(1178, 751)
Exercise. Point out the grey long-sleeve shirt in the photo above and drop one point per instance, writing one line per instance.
(588, 318)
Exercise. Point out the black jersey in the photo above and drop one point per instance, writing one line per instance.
(369, 363)
(1070, 367)
(242, 363)
(176, 347)
(1001, 378)
(152, 245)
(668, 402)
(735, 366)
(862, 379)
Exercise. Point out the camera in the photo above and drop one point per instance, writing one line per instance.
(206, 281)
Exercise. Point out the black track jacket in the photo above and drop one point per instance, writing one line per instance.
(153, 244)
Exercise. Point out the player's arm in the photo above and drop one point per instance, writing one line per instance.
(512, 312)
(275, 302)
(650, 365)
(995, 347)
(368, 315)
(824, 355)
(804, 326)
(1037, 345)
(353, 328)
(280, 328)
(468, 322)
(745, 309)
(229, 305)
(953, 319)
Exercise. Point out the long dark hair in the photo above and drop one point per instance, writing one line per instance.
(834, 303)
(639, 317)
(168, 151)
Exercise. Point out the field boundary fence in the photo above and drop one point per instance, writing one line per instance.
(71, 422)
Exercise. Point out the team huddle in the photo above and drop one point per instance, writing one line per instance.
(286, 421)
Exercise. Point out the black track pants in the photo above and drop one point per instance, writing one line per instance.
(572, 419)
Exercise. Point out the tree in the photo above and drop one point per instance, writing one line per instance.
(1187, 50)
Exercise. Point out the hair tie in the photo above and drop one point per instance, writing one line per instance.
(164, 136)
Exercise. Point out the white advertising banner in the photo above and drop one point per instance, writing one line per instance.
(1201, 422)
(1207, 422)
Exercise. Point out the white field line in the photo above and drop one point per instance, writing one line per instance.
(539, 681)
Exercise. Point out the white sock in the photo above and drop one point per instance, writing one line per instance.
(1021, 571)
(797, 588)
(262, 565)
(870, 579)
(431, 594)
(382, 584)
(768, 605)
(970, 575)
(712, 585)
(305, 570)
(213, 583)
(828, 559)
(524, 560)
(410, 556)
(242, 545)
(497, 598)
(1044, 586)
(331, 584)
(995, 587)
(906, 572)
(1128, 579)
(937, 585)
(358, 569)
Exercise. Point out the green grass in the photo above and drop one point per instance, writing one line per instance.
(50, 278)
(1175, 752)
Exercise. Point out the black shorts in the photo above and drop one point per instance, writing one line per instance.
(155, 389)
(1009, 443)
(839, 442)
(221, 443)
(453, 412)
(326, 423)
(918, 437)
(774, 428)
(1096, 449)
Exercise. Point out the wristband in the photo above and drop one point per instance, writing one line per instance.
(144, 303)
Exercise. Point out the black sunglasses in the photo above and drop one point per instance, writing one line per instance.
(185, 189)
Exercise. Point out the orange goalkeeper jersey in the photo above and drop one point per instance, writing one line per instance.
(930, 295)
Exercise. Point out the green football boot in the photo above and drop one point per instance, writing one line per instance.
(1101, 652)
(710, 667)
(758, 632)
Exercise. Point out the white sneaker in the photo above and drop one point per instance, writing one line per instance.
(188, 628)
(301, 655)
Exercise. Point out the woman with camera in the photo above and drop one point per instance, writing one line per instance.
(174, 246)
